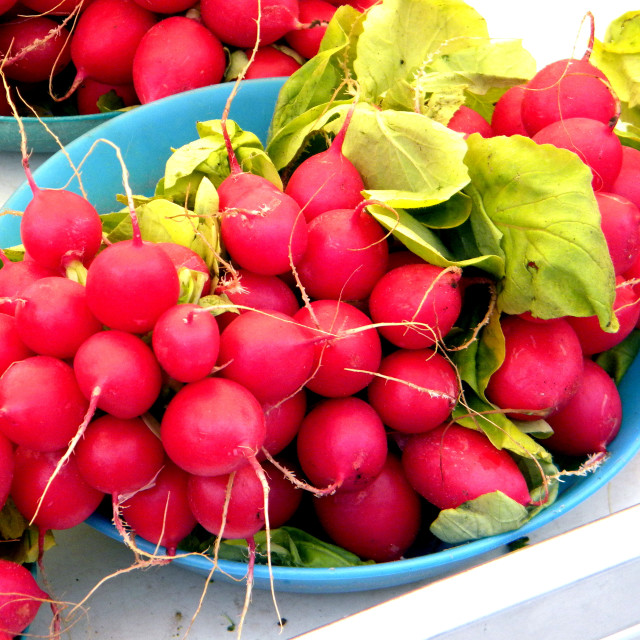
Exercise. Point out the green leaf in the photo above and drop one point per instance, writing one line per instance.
(616, 361)
(534, 205)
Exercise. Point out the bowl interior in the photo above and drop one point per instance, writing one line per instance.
(146, 137)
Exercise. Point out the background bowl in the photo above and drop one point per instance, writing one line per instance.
(66, 128)
(146, 136)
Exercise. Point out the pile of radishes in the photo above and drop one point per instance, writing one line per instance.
(82, 56)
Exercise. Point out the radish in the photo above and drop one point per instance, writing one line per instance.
(342, 444)
(15, 277)
(6, 469)
(161, 512)
(626, 183)
(212, 426)
(270, 62)
(415, 390)
(56, 7)
(53, 318)
(90, 91)
(379, 522)
(190, 266)
(350, 353)
(316, 14)
(506, 119)
(12, 348)
(591, 419)
(186, 342)
(41, 404)
(269, 353)
(620, 222)
(284, 496)
(542, 368)
(418, 304)
(346, 255)
(450, 465)
(166, 6)
(20, 598)
(467, 121)
(327, 180)
(118, 372)
(175, 55)
(237, 24)
(283, 419)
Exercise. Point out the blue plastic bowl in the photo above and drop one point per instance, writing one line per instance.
(146, 136)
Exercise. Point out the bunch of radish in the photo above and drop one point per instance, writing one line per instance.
(84, 56)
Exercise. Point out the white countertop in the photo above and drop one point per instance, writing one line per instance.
(159, 603)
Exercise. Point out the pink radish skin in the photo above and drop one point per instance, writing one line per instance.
(119, 456)
(400, 258)
(270, 62)
(346, 255)
(205, 442)
(20, 598)
(105, 40)
(591, 419)
(54, 318)
(542, 368)
(48, 57)
(185, 258)
(161, 513)
(175, 55)
(237, 24)
(347, 359)
(186, 341)
(420, 303)
(269, 353)
(261, 227)
(450, 465)
(283, 420)
(245, 514)
(284, 496)
(166, 6)
(69, 500)
(315, 15)
(6, 468)
(626, 183)
(41, 404)
(467, 121)
(415, 390)
(506, 119)
(379, 522)
(620, 222)
(342, 444)
(15, 277)
(592, 141)
(570, 88)
(130, 284)
(56, 7)
(118, 372)
(12, 348)
(90, 91)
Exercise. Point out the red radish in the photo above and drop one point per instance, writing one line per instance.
(90, 91)
(186, 341)
(283, 420)
(105, 40)
(245, 512)
(569, 88)
(20, 598)
(620, 222)
(56, 7)
(130, 284)
(211, 427)
(418, 304)
(6, 5)
(6, 468)
(592, 141)
(54, 319)
(12, 348)
(175, 55)
(348, 357)
(541, 370)
(262, 228)
(380, 522)
(506, 119)
(342, 444)
(68, 499)
(626, 183)
(166, 6)
(41, 404)
(118, 372)
(467, 121)
(315, 15)
(35, 48)
(188, 261)
(15, 277)
(593, 339)
(236, 24)
(401, 257)
(346, 255)
(269, 353)
(327, 180)
(271, 62)
(161, 513)
(415, 390)
(450, 465)
(119, 456)
(284, 496)
(591, 419)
